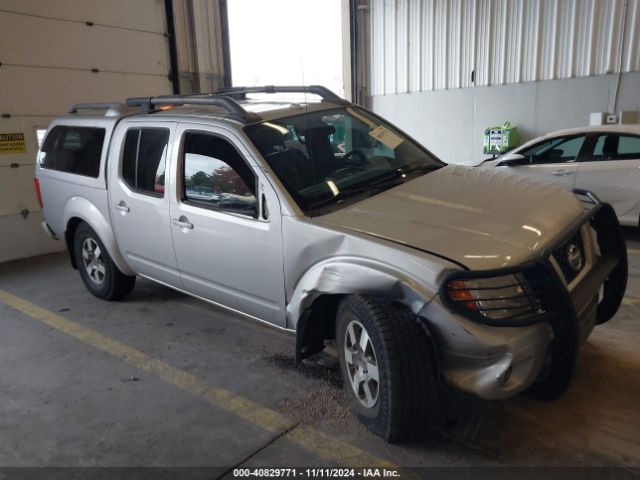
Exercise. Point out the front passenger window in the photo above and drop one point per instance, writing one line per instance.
(216, 176)
(556, 150)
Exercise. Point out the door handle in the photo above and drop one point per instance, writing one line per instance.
(561, 173)
(183, 222)
(122, 207)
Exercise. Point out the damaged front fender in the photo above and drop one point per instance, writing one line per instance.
(354, 275)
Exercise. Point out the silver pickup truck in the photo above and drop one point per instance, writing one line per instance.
(322, 219)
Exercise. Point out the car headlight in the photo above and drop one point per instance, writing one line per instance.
(506, 296)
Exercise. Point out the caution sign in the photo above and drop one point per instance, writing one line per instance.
(11, 143)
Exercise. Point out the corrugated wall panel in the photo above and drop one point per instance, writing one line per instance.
(468, 44)
(377, 53)
(422, 45)
(389, 41)
(402, 46)
(632, 57)
(415, 45)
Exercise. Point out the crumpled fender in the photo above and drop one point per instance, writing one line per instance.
(356, 275)
(83, 209)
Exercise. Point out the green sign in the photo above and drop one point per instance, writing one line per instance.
(500, 139)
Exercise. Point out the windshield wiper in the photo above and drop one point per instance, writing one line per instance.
(419, 168)
(387, 181)
(350, 192)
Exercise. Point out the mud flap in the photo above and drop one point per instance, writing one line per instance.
(309, 337)
(612, 244)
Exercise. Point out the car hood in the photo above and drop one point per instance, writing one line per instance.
(479, 218)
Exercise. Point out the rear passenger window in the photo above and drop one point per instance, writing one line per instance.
(73, 150)
(144, 160)
(617, 147)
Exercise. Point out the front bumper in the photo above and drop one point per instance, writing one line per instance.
(490, 362)
(498, 359)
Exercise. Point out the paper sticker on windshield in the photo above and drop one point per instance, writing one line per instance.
(386, 136)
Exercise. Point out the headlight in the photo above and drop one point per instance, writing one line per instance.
(506, 296)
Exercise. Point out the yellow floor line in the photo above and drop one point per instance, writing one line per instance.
(631, 301)
(316, 442)
(633, 250)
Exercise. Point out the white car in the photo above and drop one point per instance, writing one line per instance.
(602, 159)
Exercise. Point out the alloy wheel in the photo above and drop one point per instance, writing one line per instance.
(93, 261)
(362, 364)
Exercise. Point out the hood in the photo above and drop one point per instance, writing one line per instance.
(479, 218)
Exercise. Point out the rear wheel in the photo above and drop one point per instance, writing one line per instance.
(97, 270)
(388, 368)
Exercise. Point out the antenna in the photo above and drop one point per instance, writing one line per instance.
(303, 82)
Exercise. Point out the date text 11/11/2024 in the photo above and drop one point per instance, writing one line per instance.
(316, 472)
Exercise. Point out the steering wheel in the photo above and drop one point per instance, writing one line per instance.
(356, 153)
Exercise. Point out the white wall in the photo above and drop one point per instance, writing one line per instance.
(451, 122)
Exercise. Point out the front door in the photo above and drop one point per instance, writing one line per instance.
(227, 243)
(138, 202)
(553, 160)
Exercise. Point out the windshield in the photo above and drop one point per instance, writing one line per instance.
(324, 158)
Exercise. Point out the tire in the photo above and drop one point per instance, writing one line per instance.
(97, 270)
(404, 405)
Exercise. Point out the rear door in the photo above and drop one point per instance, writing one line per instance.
(611, 170)
(138, 201)
(553, 160)
(228, 247)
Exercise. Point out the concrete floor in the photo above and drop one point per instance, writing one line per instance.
(162, 379)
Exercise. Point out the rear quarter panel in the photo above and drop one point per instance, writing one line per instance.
(67, 195)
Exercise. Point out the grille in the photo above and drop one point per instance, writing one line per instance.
(571, 257)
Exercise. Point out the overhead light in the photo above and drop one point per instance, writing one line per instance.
(280, 128)
(532, 229)
(333, 187)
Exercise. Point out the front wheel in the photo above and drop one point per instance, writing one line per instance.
(98, 272)
(388, 367)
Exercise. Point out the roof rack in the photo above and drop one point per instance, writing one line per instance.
(226, 99)
(112, 109)
(232, 107)
(326, 94)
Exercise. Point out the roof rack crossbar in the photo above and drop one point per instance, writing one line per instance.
(111, 108)
(233, 108)
(323, 92)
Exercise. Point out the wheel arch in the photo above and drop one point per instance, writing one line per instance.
(78, 210)
(313, 304)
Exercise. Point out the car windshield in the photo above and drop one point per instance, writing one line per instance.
(326, 157)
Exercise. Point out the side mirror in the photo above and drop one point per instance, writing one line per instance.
(513, 160)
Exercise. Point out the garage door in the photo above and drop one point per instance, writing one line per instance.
(54, 54)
